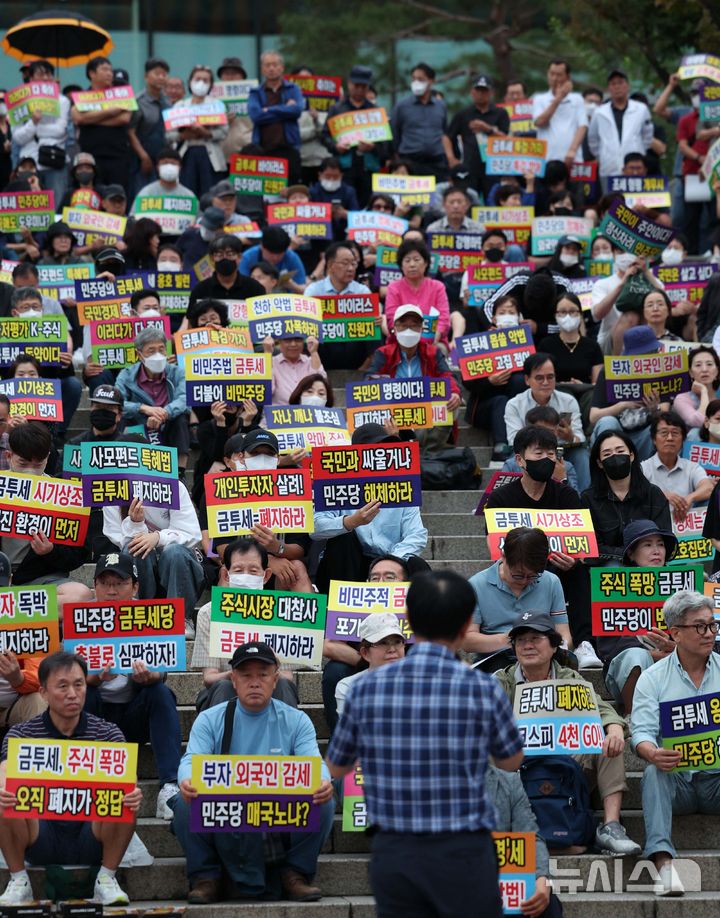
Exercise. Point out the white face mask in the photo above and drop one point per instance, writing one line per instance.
(239, 465)
(505, 320)
(29, 469)
(418, 87)
(246, 581)
(3, 110)
(695, 101)
(624, 260)
(31, 314)
(168, 266)
(671, 256)
(590, 108)
(319, 401)
(408, 337)
(199, 87)
(330, 184)
(568, 260)
(169, 172)
(261, 463)
(150, 314)
(156, 363)
(604, 256)
(568, 323)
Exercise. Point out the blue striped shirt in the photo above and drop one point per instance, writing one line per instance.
(423, 729)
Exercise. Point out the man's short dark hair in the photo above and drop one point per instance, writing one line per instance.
(439, 605)
(31, 441)
(168, 153)
(141, 294)
(196, 309)
(512, 82)
(403, 564)
(22, 294)
(537, 360)
(560, 62)
(4, 400)
(456, 189)
(330, 162)
(225, 241)
(331, 252)
(672, 419)
(23, 270)
(527, 547)
(534, 436)
(426, 69)
(275, 239)
(57, 661)
(242, 547)
(93, 64)
(152, 62)
(633, 157)
(488, 234)
(542, 414)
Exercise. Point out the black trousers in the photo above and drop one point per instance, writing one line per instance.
(442, 875)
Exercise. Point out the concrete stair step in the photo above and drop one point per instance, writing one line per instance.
(459, 547)
(462, 502)
(465, 568)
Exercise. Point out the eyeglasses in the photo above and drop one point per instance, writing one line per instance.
(225, 253)
(702, 627)
(668, 433)
(549, 378)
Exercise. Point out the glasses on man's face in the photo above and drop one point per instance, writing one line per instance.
(702, 627)
(669, 433)
(548, 377)
(522, 578)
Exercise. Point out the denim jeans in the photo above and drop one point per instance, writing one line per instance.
(580, 459)
(176, 571)
(667, 793)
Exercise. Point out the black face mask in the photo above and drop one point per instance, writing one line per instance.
(84, 178)
(616, 467)
(562, 212)
(494, 254)
(540, 469)
(225, 267)
(230, 417)
(102, 418)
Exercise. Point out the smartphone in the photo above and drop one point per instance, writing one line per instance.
(560, 453)
(565, 417)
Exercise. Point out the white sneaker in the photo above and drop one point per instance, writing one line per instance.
(108, 891)
(586, 656)
(189, 630)
(669, 883)
(18, 891)
(167, 792)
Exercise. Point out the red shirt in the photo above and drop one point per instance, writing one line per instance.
(686, 129)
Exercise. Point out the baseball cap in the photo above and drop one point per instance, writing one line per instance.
(372, 433)
(360, 74)
(234, 444)
(641, 529)
(535, 621)
(297, 189)
(213, 218)
(617, 73)
(231, 63)
(5, 569)
(117, 563)
(570, 240)
(84, 159)
(253, 650)
(640, 339)
(110, 253)
(107, 395)
(483, 82)
(260, 437)
(223, 190)
(379, 625)
(114, 191)
(407, 309)
(120, 77)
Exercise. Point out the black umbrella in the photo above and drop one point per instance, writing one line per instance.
(60, 36)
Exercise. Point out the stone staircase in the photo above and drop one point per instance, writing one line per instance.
(601, 886)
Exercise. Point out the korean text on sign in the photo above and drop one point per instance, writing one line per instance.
(115, 473)
(29, 621)
(691, 726)
(414, 402)
(280, 499)
(348, 477)
(484, 353)
(569, 531)
(558, 717)
(633, 377)
(350, 603)
(30, 504)
(231, 376)
(306, 426)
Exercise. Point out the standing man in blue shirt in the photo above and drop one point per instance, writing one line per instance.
(275, 107)
(275, 249)
(419, 123)
(424, 730)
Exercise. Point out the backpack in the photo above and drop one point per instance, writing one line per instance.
(450, 469)
(560, 800)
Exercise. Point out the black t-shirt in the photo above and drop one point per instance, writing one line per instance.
(575, 364)
(460, 129)
(556, 496)
(242, 288)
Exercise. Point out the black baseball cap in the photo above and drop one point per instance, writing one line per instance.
(360, 74)
(260, 437)
(617, 73)
(117, 563)
(114, 191)
(253, 650)
(372, 433)
(107, 395)
(534, 621)
(121, 77)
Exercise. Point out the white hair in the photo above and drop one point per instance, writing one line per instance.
(682, 602)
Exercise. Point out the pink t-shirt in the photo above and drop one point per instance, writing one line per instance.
(430, 294)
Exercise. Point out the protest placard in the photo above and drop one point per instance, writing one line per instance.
(691, 726)
(484, 353)
(112, 341)
(547, 232)
(310, 221)
(45, 339)
(227, 377)
(686, 281)
(210, 113)
(115, 473)
(349, 603)
(515, 222)
(404, 189)
(369, 227)
(234, 94)
(456, 252)
(319, 91)
(70, 779)
(40, 97)
(515, 853)
(646, 191)
(350, 317)
(306, 426)
(58, 281)
(84, 198)
(710, 103)
(37, 503)
(415, 402)
(712, 590)
(173, 288)
(34, 399)
(348, 477)
(284, 315)
(102, 298)
(364, 125)
(633, 377)
(633, 232)
(280, 499)
(693, 547)
(485, 279)
(118, 634)
(558, 717)
(92, 226)
(710, 168)
(693, 66)
(521, 115)
(628, 601)
(101, 100)
(32, 210)
(354, 811)
(293, 624)
(258, 175)
(569, 531)
(515, 156)
(706, 454)
(584, 177)
(598, 267)
(196, 340)
(498, 480)
(29, 616)
(255, 793)
(6, 270)
(173, 213)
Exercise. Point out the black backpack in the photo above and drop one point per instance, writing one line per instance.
(450, 469)
(560, 800)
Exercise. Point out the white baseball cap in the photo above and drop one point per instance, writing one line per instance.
(379, 625)
(407, 309)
